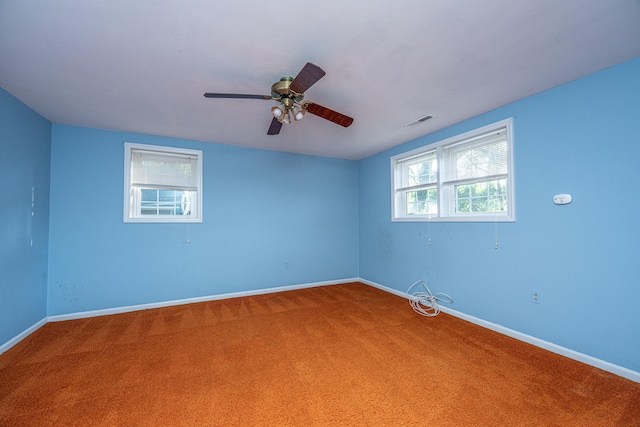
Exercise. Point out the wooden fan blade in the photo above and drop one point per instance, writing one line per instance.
(275, 127)
(309, 74)
(236, 95)
(328, 114)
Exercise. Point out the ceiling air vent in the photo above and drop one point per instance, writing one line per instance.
(420, 120)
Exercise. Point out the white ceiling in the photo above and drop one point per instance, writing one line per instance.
(143, 66)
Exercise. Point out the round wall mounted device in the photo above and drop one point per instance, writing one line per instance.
(562, 199)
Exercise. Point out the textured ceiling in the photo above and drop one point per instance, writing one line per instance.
(143, 66)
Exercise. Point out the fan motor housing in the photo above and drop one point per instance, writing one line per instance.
(280, 91)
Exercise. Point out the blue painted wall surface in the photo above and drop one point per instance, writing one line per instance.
(270, 219)
(25, 144)
(581, 138)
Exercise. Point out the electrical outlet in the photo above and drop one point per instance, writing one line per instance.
(535, 297)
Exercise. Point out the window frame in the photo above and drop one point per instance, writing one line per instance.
(445, 190)
(132, 203)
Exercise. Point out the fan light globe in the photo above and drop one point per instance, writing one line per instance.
(298, 114)
(277, 112)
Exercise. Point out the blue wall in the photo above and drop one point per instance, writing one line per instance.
(581, 138)
(25, 143)
(270, 219)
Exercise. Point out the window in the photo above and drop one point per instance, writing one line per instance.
(465, 178)
(162, 184)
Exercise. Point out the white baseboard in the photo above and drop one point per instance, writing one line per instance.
(126, 309)
(15, 340)
(563, 351)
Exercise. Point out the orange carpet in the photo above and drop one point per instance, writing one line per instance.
(343, 355)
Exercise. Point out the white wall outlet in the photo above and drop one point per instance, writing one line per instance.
(562, 199)
(535, 297)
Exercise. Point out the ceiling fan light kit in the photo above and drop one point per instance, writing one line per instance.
(289, 92)
(283, 114)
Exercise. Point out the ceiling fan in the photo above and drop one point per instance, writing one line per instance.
(290, 93)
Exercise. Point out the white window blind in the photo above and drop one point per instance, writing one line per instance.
(478, 159)
(164, 170)
(419, 171)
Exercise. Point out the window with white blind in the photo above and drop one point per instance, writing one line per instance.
(162, 184)
(465, 178)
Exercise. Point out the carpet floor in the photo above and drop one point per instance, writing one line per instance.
(341, 355)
